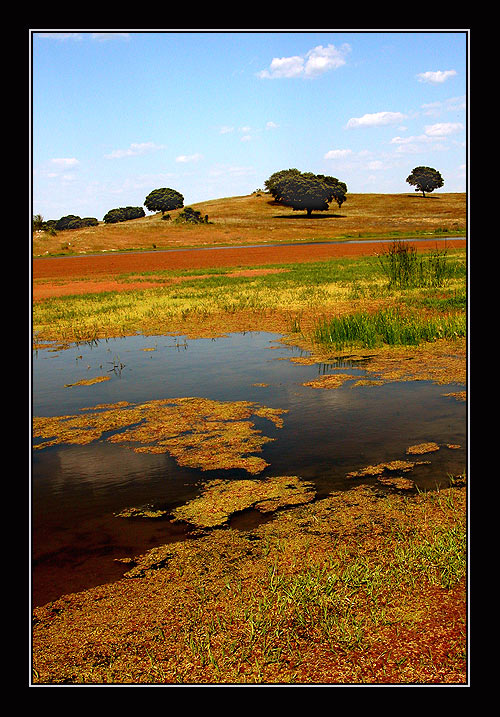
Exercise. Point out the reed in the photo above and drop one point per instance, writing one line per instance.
(404, 267)
(388, 326)
(294, 290)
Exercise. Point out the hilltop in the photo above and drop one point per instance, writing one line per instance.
(257, 219)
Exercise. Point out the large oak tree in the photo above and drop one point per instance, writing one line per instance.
(305, 190)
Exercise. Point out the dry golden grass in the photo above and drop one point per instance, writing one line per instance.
(257, 219)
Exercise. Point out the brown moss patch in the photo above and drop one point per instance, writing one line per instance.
(334, 380)
(220, 499)
(380, 468)
(197, 432)
(422, 448)
(87, 381)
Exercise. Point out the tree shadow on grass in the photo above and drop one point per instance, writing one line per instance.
(308, 218)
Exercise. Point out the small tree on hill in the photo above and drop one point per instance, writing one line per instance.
(164, 200)
(37, 222)
(192, 216)
(123, 214)
(425, 179)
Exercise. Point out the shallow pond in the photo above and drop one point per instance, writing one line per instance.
(78, 489)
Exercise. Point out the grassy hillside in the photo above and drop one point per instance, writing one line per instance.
(256, 219)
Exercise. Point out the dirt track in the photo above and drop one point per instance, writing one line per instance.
(102, 269)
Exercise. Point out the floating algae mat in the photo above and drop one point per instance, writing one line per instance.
(197, 432)
(189, 435)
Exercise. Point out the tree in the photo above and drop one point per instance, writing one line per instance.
(275, 181)
(192, 216)
(305, 190)
(425, 179)
(72, 221)
(64, 222)
(37, 222)
(123, 214)
(164, 200)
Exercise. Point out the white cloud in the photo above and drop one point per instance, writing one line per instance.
(284, 67)
(136, 148)
(413, 144)
(222, 170)
(271, 125)
(410, 140)
(246, 138)
(98, 36)
(60, 35)
(453, 104)
(188, 157)
(322, 59)
(376, 164)
(377, 119)
(315, 62)
(337, 153)
(443, 129)
(437, 77)
(65, 161)
(226, 129)
(103, 36)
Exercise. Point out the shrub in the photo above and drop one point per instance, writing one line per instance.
(72, 221)
(405, 268)
(64, 222)
(123, 214)
(193, 216)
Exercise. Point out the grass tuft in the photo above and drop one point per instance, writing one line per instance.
(388, 326)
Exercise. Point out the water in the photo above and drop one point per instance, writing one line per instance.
(76, 490)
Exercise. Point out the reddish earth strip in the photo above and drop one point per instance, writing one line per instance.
(101, 269)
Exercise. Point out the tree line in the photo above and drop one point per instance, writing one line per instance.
(304, 191)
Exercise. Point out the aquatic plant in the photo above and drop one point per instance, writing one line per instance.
(404, 267)
(197, 432)
(220, 499)
(389, 326)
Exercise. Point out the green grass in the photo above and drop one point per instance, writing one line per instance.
(405, 267)
(387, 326)
(315, 288)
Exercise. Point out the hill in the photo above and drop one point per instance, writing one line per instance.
(257, 219)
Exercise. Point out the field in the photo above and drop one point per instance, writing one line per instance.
(257, 219)
(349, 589)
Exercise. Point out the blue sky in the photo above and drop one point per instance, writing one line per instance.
(214, 113)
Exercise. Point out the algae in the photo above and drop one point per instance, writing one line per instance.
(220, 499)
(197, 432)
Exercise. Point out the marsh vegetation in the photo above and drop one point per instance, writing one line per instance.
(349, 442)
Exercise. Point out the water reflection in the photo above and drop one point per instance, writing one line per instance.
(326, 434)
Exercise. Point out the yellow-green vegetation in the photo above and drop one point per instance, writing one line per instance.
(197, 432)
(367, 585)
(87, 381)
(351, 589)
(221, 498)
(257, 219)
(303, 300)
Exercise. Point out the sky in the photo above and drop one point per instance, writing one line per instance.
(213, 114)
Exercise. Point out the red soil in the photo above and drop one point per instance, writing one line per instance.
(63, 275)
